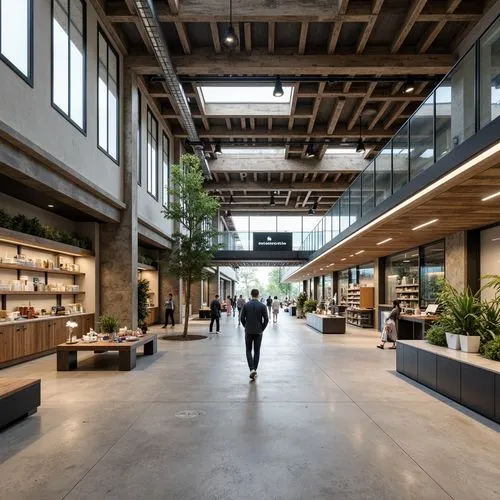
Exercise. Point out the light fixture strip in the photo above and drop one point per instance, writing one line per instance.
(384, 241)
(425, 224)
(360, 252)
(491, 196)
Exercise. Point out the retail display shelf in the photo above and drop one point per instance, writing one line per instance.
(19, 267)
(7, 292)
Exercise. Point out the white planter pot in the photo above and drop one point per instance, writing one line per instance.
(470, 343)
(453, 341)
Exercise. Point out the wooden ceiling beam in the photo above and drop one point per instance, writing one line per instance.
(316, 106)
(183, 37)
(367, 30)
(380, 113)
(174, 6)
(215, 37)
(361, 106)
(203, 62)
(271, 37)
(332, 124)
(247, 28)
(413, 13)
(304, 28)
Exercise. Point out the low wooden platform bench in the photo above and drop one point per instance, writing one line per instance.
(127, 352)
(18, 398)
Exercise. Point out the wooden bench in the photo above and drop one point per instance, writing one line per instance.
(18, 398)
(127, 352)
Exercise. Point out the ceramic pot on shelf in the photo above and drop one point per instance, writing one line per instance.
(453, 341)
(470, 343)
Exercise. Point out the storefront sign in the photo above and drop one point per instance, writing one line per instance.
(272, 241)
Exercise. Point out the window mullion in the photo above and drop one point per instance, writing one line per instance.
(69, 59)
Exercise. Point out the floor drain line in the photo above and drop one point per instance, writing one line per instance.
(190, 413)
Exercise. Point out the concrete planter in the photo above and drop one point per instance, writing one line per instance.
(470, 343)
(453, 341)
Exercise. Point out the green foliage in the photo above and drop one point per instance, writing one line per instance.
(490, 320)
(193, 210)
(33, 226)
(247, 279)
(276, 287)
(301, 298)
(108, 324)
(310, 305)
(143, 290)
(144, 259)
(491, 349)
(436, 335)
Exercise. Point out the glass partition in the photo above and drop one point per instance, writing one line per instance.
(490, 74)
(431, 272)
(422, 138)
(401, 279)
(355, 201)
(368, 189)
(443, 118)
(383, 174)
(400, 158)
(344, 211)
(335, 215)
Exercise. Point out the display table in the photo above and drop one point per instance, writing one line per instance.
(412, 327)
(292, 310)
(204, 312)
(18, 398)
(127, 351)
(467, 378)
(326, 324)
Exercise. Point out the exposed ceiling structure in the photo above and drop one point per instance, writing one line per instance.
(348, 64)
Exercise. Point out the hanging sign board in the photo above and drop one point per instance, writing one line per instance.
(272, 241)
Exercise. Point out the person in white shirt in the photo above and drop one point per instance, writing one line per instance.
(276, 309)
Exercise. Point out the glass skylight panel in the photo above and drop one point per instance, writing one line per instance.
(244, 95)
(341, 151)
(250, 151)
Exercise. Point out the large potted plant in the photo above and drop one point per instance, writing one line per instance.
(310, 306)
(142, 304)
(301, 298)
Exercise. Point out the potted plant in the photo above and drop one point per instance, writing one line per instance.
(142, 304)
(108, 324)
(310, 306)
(436, 335)
(302, 297)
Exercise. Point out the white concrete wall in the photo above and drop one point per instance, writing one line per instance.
(29, 110)
(148, 208)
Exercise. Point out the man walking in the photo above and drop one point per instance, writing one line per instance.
(215, 314)
(169, 310)
(239, 304)
(254, 318)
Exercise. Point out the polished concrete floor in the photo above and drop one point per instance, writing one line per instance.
(327, 418)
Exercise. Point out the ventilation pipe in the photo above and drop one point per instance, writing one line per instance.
(154, 32)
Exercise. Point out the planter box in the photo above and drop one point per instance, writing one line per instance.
(470, 343)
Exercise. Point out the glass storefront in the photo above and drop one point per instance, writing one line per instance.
(366, 274)
(343, 286)
(431, 272)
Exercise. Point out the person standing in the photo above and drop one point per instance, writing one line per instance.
(254, 318)
(233, 304)
(239, 304)
(276, 309)
(169, 310)
(269, 303)
(229, 305)
(215, 314)
(390, 331)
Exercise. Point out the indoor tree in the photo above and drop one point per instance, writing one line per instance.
(195, 240)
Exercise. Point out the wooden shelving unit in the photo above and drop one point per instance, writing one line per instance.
(360, 302)
(408, 295)
(19, 267)
(7, 292)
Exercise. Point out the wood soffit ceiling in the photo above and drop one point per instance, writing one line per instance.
(378, 38)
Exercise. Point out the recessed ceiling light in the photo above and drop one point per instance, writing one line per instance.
(428, 223)
(491, 196)
(361, 251)
(352, 255)
(321, 269)
(406, 260)
(343, 258)
(495, 239)
(384, 241)
(50, 206)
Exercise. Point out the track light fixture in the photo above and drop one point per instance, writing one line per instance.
(272, 203)
(315, 206)
(218, 149)
(278, 88)
(230, 39)
(310, 153)
(311, 211)
(231, 199)
(228, 213)
(360, 148)
(409, 87)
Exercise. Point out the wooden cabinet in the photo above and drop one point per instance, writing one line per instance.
(18, 341)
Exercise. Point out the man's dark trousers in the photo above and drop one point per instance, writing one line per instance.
(169, 313)
(254, 339)
(215, 318)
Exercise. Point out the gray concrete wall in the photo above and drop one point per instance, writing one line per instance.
(29, 111)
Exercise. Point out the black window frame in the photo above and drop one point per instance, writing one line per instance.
(150, 118)
(100, 32)
(29, 79)
(139, 138)
(165, 181)
(65, 115)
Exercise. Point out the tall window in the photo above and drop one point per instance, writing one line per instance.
(108, 118)
(166, 169)
(139, 138)
(69, 59)
(16, 36)
(152, 152)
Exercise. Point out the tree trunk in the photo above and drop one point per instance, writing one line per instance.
(187, 303)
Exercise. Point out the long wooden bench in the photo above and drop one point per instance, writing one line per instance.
(18, 398)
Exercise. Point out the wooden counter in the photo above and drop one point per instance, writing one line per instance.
(413, 327)
(27, 339)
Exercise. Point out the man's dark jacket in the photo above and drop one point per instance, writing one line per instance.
(254, 317)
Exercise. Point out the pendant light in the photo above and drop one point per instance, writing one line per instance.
(360, 148)
(409, 88)
(228, 211)
(310, 153)
(278, 88)
(230, 39)
(272, 203)
(218, 149)
(311, 211)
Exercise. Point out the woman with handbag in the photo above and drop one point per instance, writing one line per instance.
(390, 332)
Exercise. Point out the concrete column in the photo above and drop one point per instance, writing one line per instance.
(169, 284)
(456, 260)
(118, 242)
(196, 297)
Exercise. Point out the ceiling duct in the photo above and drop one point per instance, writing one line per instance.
(154, 32)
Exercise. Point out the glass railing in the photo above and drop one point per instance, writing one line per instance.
(241, 240)
(466, 100)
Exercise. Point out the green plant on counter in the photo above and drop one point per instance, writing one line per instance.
(436, 335)
(143, 290)
(491, 349)
(108, 324)
(310, 306)
(301, 298)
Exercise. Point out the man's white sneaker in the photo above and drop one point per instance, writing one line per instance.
(253, 374)
(217, 332)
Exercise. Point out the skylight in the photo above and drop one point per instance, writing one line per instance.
(341, 151)
(245, 152)
(244, 95)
